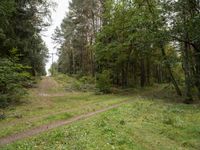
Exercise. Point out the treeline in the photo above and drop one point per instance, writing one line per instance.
(22, 52)
(133, 42)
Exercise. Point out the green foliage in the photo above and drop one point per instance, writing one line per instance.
(20, 26)
(72, 83)
(78, 31)
(20, 40)
(12, 79)
(54, 69)
(140, 42)
(104, 82)
(87, 80)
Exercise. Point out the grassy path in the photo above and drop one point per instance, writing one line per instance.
(142, 124)
(135, 119)
(50, 106)
(43, 128)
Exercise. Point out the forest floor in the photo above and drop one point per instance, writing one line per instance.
(134, 119)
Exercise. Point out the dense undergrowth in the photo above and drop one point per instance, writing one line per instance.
(101, 84)
(75, 83)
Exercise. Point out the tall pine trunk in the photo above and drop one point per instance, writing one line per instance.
(168, 66)
(188, 81)
(148, 71)
(197, 67)
(197, 76)
(143, 73)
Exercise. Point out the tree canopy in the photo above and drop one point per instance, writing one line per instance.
(22, 50)
(139, 42)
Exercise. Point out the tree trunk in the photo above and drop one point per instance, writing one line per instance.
(159, 74)
(148, 72)
(188, 84)
(197, 67)
(143, 73)
(73, 60)
(197, 76)
(124, 75)
(178, 91)
(134, 72)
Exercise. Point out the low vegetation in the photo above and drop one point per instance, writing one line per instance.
(55, 102)
(76, 83)
(143, 124)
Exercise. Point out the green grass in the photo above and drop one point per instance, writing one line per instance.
(38, 110)
(152, 120)
(43, 110)
(142, 124)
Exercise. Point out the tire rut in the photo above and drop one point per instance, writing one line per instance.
(29, 133)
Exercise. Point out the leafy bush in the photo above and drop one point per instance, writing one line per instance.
(87, 83)
(87, 80)
(75, 83)
(104, 82)
(12, 79)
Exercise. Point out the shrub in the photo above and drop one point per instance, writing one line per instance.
(76, 83)
(12, 79)
(87, 80)
(104, 82)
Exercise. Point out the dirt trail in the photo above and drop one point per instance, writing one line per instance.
(47, 83)
(43, 128)
(43, 90)
(44, 86)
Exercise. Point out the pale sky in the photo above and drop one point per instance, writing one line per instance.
(58, 15)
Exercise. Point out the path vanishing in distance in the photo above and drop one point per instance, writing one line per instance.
(44, 86)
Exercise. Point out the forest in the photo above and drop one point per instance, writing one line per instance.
(131, 43)
(22, 51)
(127, 75)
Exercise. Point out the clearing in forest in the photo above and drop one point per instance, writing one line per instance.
(147, 121)
(49, 106)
